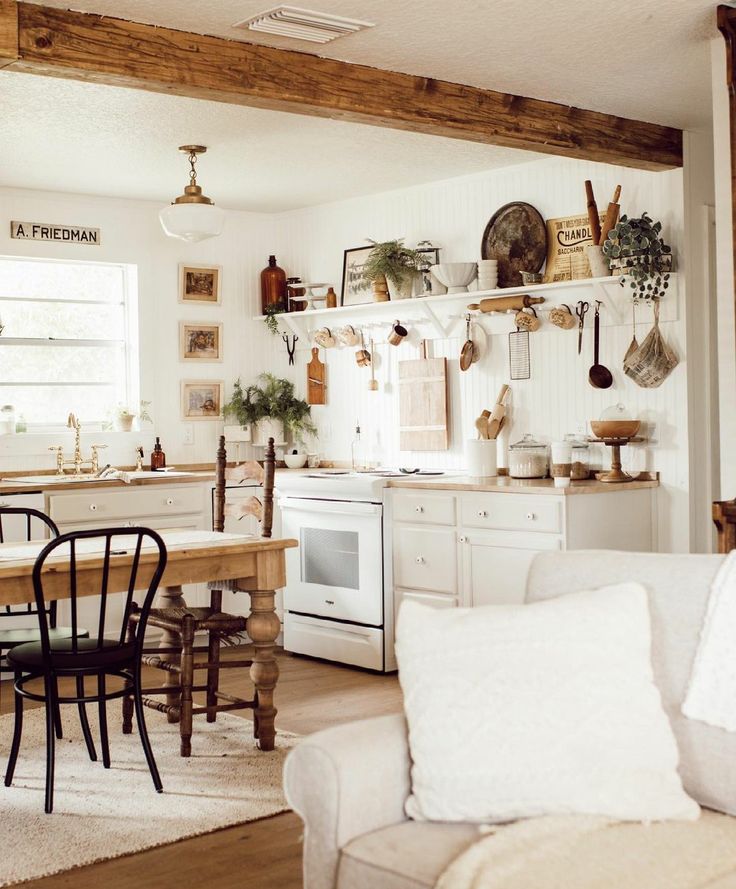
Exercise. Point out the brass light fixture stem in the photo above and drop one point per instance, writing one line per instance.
(193, 192)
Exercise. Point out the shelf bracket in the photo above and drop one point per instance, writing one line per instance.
(434, 320)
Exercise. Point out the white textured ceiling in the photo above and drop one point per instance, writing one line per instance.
(61, 135)
(646, 60)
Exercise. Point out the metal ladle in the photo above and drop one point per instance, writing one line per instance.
(599, 376)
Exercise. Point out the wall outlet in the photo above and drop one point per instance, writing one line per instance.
(188, 434)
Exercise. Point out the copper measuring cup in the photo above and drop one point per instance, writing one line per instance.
(398, 332)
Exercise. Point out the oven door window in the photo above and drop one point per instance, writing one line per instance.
(330, 558)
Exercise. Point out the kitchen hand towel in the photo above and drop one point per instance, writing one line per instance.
(712, 692)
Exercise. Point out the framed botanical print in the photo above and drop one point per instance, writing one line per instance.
(199, 283)
(200, 342)
(355, 288)
(201, 399)
(428, 284)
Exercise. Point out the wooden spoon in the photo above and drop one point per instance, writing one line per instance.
(481, 424)
(599, 375)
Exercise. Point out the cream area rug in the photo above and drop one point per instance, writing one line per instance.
(104, 813)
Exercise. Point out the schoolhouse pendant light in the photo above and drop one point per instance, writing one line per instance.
(192, 216)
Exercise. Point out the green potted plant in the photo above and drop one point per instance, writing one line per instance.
(391, 261)
(271, 409)
(124, 416)
(637, 251)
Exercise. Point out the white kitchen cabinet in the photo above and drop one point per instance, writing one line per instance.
(470, 548)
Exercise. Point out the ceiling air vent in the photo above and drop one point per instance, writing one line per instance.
(303, 24)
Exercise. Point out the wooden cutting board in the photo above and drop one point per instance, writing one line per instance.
(316, 385)
(423, 405)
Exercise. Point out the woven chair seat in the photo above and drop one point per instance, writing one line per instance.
(204, 619)
(229, 586)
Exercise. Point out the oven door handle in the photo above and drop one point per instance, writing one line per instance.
(333, 507)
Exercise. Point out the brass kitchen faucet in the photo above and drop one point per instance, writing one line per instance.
(94, 462)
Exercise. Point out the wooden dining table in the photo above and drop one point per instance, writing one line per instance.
(257, 565)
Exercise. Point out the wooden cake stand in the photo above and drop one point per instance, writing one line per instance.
(615, 473)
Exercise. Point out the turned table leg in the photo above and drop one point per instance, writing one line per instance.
(263, 628)
(171, 597)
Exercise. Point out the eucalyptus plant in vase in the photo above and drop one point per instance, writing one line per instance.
(271, 409)
(636, 250)
(392, 262)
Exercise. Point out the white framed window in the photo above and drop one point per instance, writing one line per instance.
(69, 342)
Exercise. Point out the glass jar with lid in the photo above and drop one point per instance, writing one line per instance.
(7, 419)
(580, 468)
(528, 458)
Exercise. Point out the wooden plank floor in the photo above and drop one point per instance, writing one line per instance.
(265, 854)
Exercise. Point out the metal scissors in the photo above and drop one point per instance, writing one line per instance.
(290, 347)
(580, 311)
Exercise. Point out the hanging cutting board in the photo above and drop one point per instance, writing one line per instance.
(423, 404)
(316, 385)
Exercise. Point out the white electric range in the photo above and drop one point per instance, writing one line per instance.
(338, 599)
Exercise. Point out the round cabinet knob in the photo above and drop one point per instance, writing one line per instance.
(463, 539)
(93, 507)
(531, 516)
(4, 503)
(482, 514)
(169, 501)
(419, 560)
(419, 509)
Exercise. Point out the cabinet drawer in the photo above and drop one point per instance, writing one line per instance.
(424, 508)
(512, 512)
(434, 600)
(121, 505)
(425, 559)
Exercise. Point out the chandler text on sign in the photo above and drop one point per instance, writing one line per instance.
(46, 231)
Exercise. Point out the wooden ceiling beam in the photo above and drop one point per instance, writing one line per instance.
(99, 49)
(8, 32)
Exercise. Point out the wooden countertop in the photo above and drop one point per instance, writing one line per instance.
(507, 485)
(7, 486)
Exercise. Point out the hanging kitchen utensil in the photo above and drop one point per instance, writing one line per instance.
(634, 344)
(581, 311)
(519, 357)
(527, 319)
(516, 236)
(362, 356)
(505, 303)
(291, 342)
(423, 403)
(654, 360)
(316, 386)
(348, 336)
(599, 376)
(466, 353)
(373, 382)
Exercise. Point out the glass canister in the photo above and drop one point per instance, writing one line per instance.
(580, 457)
(528, 458)
(7, 419)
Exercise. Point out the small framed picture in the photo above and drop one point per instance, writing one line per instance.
(355, 288)
(200, 342)
(428, 284)
(199, 283)
(201, 399)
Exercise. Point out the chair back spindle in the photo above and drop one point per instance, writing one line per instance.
(246, 470)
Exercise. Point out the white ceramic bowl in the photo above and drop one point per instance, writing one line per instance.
(295, 461)
(455, 275)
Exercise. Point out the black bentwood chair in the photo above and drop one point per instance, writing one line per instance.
(21, 524)
(117, 551)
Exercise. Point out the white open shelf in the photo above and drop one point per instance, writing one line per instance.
(445, 311)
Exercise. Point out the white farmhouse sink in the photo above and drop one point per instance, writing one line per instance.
(45, 480)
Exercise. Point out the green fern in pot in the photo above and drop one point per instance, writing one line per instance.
(391, 262)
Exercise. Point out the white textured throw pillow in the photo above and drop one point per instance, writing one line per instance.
(546, 708)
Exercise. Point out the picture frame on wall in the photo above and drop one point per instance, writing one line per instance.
(200, 341)
(202, 399)
(199, 283)
(428, 284)
(355, 289)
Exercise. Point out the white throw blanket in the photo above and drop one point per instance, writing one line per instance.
(711, 696)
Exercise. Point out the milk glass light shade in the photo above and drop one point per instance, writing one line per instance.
(192, 222)
(192, 216)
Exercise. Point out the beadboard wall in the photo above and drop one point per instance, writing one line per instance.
(558, 398)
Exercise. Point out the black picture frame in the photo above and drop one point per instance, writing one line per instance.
(425, 279)
(355, 292)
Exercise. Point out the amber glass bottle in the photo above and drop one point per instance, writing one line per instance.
(273, 287)
(158, 458)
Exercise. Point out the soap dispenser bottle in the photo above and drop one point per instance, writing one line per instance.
(158, 457)
(357, 458)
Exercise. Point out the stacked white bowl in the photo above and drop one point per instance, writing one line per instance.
(487, 274)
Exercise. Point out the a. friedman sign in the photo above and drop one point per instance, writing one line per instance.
(46, 231)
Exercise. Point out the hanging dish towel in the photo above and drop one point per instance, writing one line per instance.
(711, 696)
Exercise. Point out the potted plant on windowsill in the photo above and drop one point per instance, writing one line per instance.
(636, 251)
(124, 417)
(392, 262)
(271, 409)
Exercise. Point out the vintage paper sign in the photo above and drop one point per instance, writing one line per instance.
(567, 238)
(48, 231)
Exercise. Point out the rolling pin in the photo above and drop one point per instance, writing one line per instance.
(506, 303)
(611, 216)
(593, 218)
